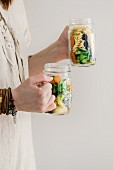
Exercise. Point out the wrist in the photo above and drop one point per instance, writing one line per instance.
(48, 55)
(15, 98)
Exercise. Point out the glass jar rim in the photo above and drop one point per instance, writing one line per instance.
(57, 67)
(81, 21)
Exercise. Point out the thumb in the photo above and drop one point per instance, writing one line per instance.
(65, 31)
(40, 78)
(64, 36)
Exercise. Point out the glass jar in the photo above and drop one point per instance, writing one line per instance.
(81, 42)
(61, 86)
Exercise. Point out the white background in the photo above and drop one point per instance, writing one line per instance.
(82, 140)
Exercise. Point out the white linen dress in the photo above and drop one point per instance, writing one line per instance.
(16, 145)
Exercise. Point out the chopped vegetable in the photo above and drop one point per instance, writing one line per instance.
(82, 49)
(53, 81)
(72, 41)
(81, 45)
(55, 89)
(70, 87)
(77, 52)
(84, 61)
(60, 97)
(73, 57)
(60, 110)
(57, 79)
(61, 88)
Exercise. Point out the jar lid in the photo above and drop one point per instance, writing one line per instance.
(57, 67)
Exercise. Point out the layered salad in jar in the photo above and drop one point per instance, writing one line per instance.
(81, 45)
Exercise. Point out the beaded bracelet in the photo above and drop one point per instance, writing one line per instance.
(7, 103)
(0, 101)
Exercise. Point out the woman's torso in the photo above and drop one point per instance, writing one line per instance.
(16, 148)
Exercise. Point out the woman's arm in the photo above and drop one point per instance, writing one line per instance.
(52, 54)
(33, 95)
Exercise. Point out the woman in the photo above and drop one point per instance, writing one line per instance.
(24, 76)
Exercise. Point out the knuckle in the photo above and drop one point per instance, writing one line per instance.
(48, 85)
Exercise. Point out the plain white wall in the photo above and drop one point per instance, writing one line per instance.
(82, 140)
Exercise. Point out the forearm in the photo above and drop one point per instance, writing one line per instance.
(29, 96)
(48, 55)
(56, 52)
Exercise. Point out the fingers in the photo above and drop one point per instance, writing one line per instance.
(51, 100)
(40, 78)
(51, 107)
(46, 90)
(47, 97)
(45, 93)
(46, 87)
(51, 104)
(65, 32)
(48, 104)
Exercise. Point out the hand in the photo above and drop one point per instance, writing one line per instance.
(34, 95)
(54, 53)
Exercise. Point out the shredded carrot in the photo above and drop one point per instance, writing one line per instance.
(53, 81)
(57, 79)
(70, 87)
(72, 41)
(73, 57)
